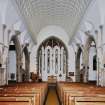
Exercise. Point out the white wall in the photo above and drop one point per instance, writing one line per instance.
(12, 64)
(71, 60)
(92, 73)
(23, 59)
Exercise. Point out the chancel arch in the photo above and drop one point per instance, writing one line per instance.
(52, 59)
(90, 47)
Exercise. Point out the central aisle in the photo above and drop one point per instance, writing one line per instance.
(52, 98)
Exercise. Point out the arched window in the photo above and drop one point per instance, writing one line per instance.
(53, 58)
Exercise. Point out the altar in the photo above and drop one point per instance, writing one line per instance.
(52, 79)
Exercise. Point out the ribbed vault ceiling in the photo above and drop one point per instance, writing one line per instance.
(38, 14)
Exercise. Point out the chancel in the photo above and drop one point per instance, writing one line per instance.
(52, 52)
(52, 59)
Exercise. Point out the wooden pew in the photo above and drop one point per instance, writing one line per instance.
(35, 90)
(89, 101)
(16, 100)
(83, 92)
(35, 95)
(72, 96)
(69, 92)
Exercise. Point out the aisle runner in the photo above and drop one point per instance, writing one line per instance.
(52, 98)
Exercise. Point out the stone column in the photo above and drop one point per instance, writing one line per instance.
(85, 64)
(86, 58)
(101, 57)
(27, 62)
(58, 59)
(100, 68)
(3, 58)
(96, 33)
(19, 57)
(7, 61)
(42, 59)
(62, 59)
(39, 62)
(3, 39)
(28, 67)
(51, 60)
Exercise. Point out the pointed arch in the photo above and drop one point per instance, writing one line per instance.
(53, 54)
(87, 46)
(16, 42)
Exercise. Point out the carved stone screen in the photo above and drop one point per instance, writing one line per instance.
(52, 59)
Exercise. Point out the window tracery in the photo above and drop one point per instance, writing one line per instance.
(53, 57)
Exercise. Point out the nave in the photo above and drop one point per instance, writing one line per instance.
(52, 52)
